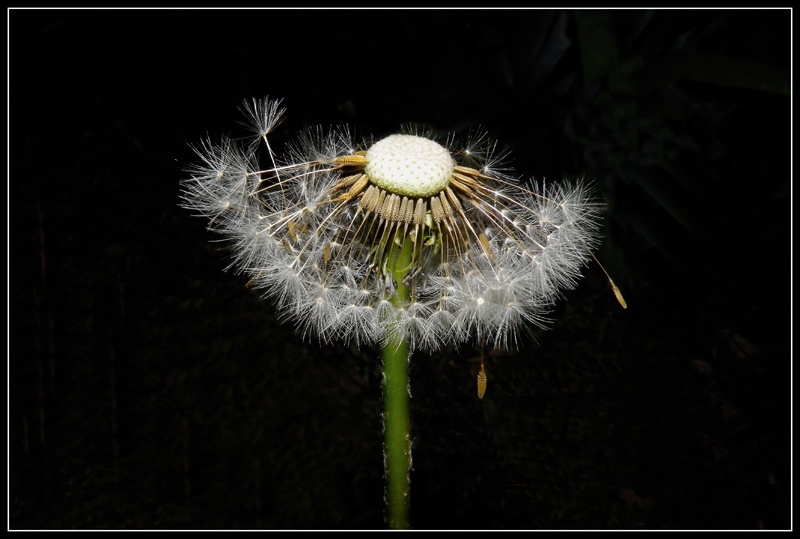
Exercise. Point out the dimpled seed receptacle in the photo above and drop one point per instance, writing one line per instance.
(409, 165)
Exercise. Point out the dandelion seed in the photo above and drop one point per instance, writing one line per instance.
(618, 295)
(323, 230)
(482, 378)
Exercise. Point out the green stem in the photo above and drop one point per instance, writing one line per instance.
(397, 447)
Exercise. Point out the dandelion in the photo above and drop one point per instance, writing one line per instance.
(405, 243)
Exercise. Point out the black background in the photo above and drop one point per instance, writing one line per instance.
(150, 389)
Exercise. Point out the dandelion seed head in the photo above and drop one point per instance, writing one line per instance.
(405, 237)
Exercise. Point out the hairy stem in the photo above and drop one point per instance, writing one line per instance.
(397, 444)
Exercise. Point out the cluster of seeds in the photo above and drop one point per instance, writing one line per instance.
(435, 244)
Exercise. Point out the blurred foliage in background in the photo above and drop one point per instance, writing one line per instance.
(150, 389)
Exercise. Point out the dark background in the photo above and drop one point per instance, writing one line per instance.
(151, 389)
